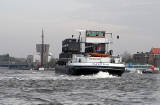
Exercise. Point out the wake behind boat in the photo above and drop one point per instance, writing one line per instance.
(89, 54)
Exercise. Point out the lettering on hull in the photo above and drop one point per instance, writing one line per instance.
(100, 64)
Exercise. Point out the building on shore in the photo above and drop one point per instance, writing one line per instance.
(141, 57)
(152, 57)
(30, 60)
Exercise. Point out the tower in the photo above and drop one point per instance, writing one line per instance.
(42, 48)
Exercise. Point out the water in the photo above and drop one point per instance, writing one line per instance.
(26, 87)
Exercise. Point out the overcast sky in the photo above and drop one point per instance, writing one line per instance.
(137, 22)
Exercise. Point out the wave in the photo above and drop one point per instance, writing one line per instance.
(98, 75)
(53, 76)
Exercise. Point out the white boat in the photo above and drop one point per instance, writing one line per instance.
(146, 68)
(95, 55)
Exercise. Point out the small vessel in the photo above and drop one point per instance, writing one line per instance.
(90, 53)
(145, 68)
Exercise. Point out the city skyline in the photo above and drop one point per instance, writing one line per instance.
(136, 22)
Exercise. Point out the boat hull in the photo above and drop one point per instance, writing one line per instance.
(86, 70)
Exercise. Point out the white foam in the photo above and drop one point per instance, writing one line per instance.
(98, 75)
(42, 76)
(138, 71)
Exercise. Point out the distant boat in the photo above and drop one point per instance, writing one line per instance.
(146, 68)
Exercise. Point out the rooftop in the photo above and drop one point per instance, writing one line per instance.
(155, 50)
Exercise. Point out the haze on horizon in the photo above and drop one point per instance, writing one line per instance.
(21, 21)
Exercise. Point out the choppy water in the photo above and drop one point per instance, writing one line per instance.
(22, 87)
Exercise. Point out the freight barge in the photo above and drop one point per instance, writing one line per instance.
(90, 53)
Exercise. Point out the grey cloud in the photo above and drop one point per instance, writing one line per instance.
(136, 21)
